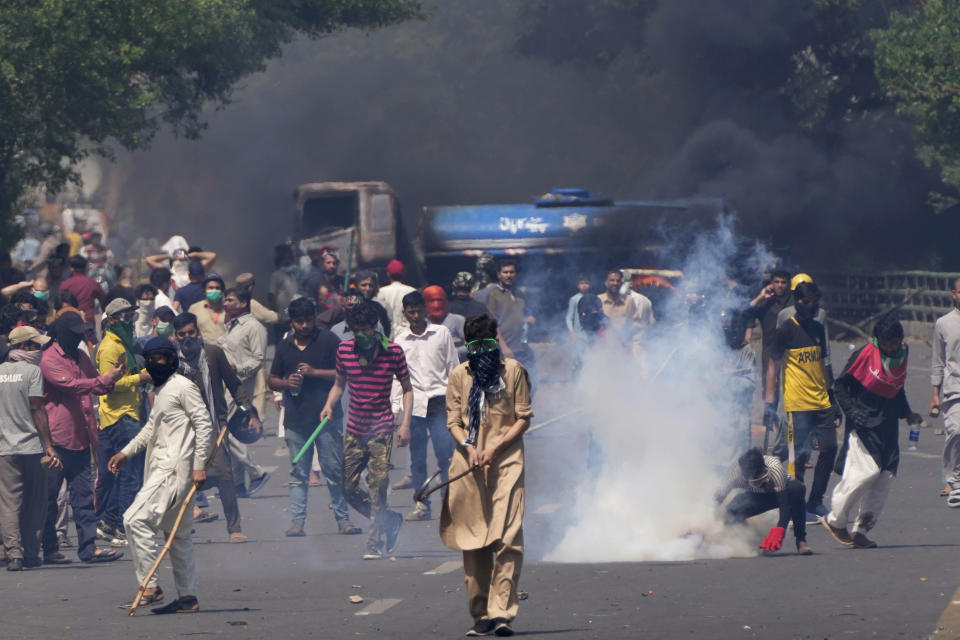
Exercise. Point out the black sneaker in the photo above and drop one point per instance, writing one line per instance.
(15, 564)
(482, 627)
(105, 531)
(501, 627)
(392, 531)
(31, 563)
(257, 484)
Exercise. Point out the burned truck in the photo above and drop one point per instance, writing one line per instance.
(559, 233)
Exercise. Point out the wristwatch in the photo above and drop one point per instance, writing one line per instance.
(467, 442)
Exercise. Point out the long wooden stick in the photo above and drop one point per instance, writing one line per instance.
(176, 526)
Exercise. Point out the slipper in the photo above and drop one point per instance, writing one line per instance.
(954, 499)
(206, 516)
(147, 598)
(349, 529)
(187, 604)
(104, 555)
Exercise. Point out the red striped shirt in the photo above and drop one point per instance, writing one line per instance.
(369, 411)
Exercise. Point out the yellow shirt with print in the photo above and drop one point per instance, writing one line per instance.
(125, 398)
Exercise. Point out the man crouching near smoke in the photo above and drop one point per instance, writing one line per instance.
(488, 409)
(178, 438)
(766, 486)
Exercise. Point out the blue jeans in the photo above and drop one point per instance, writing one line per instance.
(329, 447)
(115, 493)
(76, 471)
(434, 426)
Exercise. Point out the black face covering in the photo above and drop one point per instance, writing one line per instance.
(486, 374)
(161, 372)
(66, 336)
(806, 311)
(191, 348)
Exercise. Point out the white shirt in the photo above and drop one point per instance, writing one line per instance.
(431, 357)
(644, 308)
(391, 297)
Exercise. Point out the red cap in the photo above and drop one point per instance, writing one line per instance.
(395, 268)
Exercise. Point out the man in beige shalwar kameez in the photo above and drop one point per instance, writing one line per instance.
(488, 409)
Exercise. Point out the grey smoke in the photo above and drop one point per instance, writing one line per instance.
(452, 110)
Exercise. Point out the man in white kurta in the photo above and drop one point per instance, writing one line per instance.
(179, 438)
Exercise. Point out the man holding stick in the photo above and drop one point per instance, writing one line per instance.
(179, 439)
(488, 410)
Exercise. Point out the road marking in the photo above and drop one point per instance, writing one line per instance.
(930, 456)
(949, 623)
(378, 606)
(548, 508)
(446, 567)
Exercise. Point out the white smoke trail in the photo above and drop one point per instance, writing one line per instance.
(667, 441)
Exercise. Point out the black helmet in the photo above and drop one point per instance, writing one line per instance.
(239, 425)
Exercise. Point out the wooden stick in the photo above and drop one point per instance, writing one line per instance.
(176, 526)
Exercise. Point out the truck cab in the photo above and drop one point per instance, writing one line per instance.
(361, 220)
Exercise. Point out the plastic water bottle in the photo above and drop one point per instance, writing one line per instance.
(914, 438)
(525, 336)
(296, 390)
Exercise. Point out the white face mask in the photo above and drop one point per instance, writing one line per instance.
(30, 357)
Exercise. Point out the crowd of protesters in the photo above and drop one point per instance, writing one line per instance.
(89, 354)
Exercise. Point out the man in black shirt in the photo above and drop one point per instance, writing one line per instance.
(462, 303)
(304, 370)
(765, 307)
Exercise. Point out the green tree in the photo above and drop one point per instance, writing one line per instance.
(76, 77)
(918, 65)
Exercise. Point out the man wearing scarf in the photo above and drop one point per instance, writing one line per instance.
(69, 380)
(206, 365)
(488, 410)
(178, 438)
(438, 313)
(119, 419)
(870, 393)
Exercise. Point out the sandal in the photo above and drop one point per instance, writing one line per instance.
(104, 555)
(206, 516)
(347, 528)
(186, 604)
(147, 598)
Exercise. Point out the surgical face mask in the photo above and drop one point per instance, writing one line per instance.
(146, 305)
(41, 295)
(214, 295)
(164, 329)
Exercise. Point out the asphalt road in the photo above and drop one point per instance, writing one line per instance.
(279, 587)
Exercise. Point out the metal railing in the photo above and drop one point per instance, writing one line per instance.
(918, 296)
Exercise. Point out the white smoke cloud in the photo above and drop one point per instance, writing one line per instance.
(666, 439)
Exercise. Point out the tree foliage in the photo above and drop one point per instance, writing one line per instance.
(918, 64)
(76, 76)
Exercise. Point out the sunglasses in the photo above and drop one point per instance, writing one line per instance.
(484, 345)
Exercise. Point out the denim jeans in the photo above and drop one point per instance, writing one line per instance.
(806, 425)
(76, 471)
(115, 493)
(329, 448)
(434, 426)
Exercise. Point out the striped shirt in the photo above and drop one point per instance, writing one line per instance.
(369, 411)
(776, 478)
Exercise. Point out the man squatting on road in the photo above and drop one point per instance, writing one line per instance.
(488, 409)
(179, 438)
(766, 486)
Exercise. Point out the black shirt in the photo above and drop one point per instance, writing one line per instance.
(466, 307)
(188, 294)
(302, 412)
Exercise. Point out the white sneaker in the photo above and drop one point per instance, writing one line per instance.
(419, 512)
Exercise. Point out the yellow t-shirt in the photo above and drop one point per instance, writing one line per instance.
(801, 352)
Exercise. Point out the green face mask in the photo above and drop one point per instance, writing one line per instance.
(41, 295)
(164, 329)
(214, 295)
(366, 341)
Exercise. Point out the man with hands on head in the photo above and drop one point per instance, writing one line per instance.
(179, 439)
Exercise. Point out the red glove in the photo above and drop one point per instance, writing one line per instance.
(774, 539)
